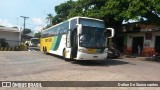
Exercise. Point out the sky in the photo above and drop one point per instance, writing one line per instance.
(36, 10)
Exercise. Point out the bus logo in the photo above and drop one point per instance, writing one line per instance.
(6, 84)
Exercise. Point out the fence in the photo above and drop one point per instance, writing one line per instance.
(21, 47)
(11, 45)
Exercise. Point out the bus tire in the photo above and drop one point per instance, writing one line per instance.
(64, 55)
(45, 51)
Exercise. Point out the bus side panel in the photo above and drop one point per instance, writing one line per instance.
(46, 43)
(56, 42)
(58, 45)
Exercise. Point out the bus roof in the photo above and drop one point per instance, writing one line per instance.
(85, 18)
(72, 19)
(34, 38)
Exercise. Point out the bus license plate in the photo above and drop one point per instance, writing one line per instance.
(95, 56)
(91, 51)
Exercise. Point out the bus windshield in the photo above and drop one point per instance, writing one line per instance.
(35, 40)
(92, 37)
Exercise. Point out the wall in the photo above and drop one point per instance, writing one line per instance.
(147, 44)
(13, 38)
(151, 42)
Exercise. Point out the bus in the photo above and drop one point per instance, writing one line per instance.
(34, 42)
(78, 38)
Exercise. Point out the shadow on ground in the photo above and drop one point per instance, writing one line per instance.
(109, 62)
(33, 49)
(150, 59)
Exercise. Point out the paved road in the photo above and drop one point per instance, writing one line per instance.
(36, 66)
(33, 49)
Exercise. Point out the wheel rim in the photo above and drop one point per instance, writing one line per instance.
(45, 50)
(64, 53)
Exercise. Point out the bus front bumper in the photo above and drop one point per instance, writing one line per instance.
(85, 56)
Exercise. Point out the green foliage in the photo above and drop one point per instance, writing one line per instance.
(118, 10)
(26, 31)
(88, 8)
(113, 12)
(63, 11)
(57, 19)
(37, 35)
(48, 26)
(49, 18)
(138, 9)
(64, 8)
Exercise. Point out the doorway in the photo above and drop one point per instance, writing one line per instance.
(120, 43)
(137, 44)
(74, 43)
(157, 44)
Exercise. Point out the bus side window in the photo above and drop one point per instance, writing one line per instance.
(69, 38)
(49, 32)
(65, 31)
(56, 31)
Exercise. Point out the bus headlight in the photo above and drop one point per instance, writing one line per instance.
(110, 52)
(105, 51)
(82, 50)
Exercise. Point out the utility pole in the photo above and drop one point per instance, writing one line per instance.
(24, 17)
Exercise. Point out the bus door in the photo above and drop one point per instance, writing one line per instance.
(68, 48)
(74, 43)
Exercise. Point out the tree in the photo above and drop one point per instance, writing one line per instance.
(56, 19)
(114, 12)
(132, 9)
(1, 26)
(37, 35)
(49, 18)
(89, 8)
(63, 11)
(26, 31)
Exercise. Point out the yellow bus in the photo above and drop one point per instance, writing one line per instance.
(79, 38)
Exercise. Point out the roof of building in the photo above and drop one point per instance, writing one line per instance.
(31, 34)
(9, 29)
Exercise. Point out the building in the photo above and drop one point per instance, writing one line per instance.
(11, 36)
(27, 37)
(138, 38)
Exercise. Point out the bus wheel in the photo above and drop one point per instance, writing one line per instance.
(64, 55)
(45, 50)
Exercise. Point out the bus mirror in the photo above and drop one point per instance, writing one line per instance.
(109, 33)
(79, 28)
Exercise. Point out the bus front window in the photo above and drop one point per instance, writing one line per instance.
(92, 37)
(35, 41)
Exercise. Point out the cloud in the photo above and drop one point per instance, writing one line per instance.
(39, 24)
(38, 28)
(37, 21)
(5, 22)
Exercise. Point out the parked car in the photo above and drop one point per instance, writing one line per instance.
(113, 52)
(155, 57)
